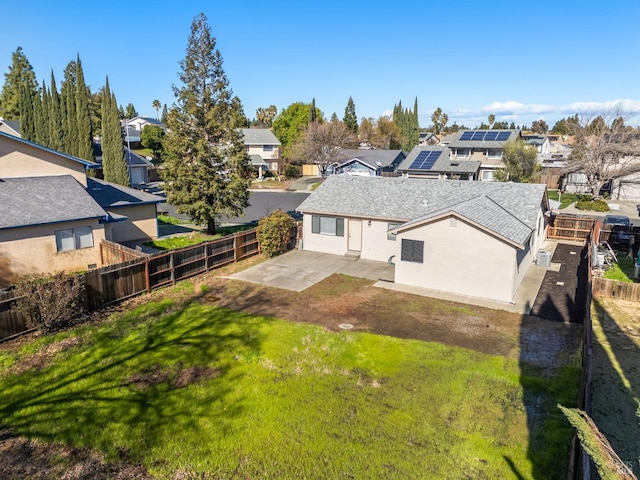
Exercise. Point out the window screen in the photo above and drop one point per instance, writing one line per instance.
(412, 251)
(64, 240)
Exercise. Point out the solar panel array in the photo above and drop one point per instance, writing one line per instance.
(425, 160)
(484, 136)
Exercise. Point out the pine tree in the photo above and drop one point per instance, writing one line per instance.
(46, 116)
(56, 132)
(40, 120)
(312, 111)
(165, 112)
(114, 165)
(350, 118)
(83, 116)
(207, 167)
(20, 75)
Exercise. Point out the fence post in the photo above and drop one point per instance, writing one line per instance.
(235, 247)
(147, 277)
(172, 269)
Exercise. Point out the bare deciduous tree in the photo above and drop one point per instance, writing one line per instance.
(604, 149)
(324, 143)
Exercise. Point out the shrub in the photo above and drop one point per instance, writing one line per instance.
(290, 170)
(274, 233)
(595, 205)
(50, 302)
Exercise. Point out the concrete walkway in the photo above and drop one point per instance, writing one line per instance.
(298, 270)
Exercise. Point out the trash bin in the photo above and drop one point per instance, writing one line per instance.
(544, 258)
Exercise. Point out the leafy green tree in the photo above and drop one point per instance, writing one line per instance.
(350, 118)
(407, 121)
(165, 112)
(501, 126)
(130, 111)
(265, 116)
(439, 120)
(521, 163)
(289, 125)
(540, 127)
(152, 137)
(512, 126)
(156, 106)
(20, 75)
(207, 169)
(114, 165)
(334, 118)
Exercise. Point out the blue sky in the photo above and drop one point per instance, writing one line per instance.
(518, 60)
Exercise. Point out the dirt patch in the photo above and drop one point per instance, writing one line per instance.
(180, 378)
(25, 458)
(43, 357)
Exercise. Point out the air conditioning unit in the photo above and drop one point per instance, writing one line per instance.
(544, 258)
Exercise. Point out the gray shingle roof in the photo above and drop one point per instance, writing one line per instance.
(256, 160)
(500, 207)
(259, 136)
(12, 124)
(442, 165)
(28, 201)
(110, 195)
(457, 143)
(371, 157)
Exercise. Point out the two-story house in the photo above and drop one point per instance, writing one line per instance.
(484, 146)
(263, 149)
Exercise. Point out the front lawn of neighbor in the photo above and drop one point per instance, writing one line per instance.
(191, 390)
(194, 238)
(566, 199)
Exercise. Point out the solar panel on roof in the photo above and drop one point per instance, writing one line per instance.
(425, 160)
(502, 136)
(490, 136)
(478, 136)
(466, 136)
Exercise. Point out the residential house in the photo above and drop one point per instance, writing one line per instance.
(138, 166)
(485, 146)
(12, 127)
(541, 142)
(368, 162)
(428, 139)
(263, 149)
(53, 216)
(133, 128)
(436, 163)
(468, 238)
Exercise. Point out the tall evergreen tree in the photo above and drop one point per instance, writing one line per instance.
(40, 119)
(114, 165)
(20, 75)
(165, 113)
(130, 112)
(56, 132)
(350, 118)
(83, 115)
(312, 111)
(207, 167)
(27, 119)
(68, 109)
(407, 122)
(46, 115)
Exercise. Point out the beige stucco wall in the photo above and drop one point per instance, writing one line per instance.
(18, 159)
(257, 150)
(317, 242)
(460, 259)
(141, 223)
(375, 245)
(31, 250)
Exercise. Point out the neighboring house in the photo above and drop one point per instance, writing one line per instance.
(48, 224)
(138, 168)
(49, 207)
(541, 142)
(369, 162)
(436, 163)
(468, 238)
(131, 129)
(261, 142)
(485, 146)
(427, 139)
(12, 127)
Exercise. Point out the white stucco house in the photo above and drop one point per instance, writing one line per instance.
(469, 238)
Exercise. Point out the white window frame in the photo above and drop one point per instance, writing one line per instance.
(463, 152)
(487, 176)
(391, 226)
(333, 226)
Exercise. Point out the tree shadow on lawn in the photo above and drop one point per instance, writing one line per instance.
(96, 398)
(616, 386)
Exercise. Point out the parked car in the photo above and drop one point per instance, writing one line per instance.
(620, 227)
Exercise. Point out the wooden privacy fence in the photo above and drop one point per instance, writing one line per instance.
(112, 252)
(569, 227)
(605, 288)
(12, 322)
(113, 283)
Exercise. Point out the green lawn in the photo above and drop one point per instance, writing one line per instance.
(622, 271)
(169, 220)
(566, 199)
(191, 390)
(192, 239)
